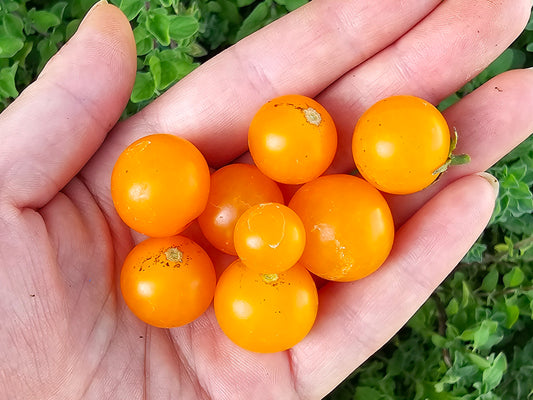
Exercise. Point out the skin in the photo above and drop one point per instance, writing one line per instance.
(66, 332)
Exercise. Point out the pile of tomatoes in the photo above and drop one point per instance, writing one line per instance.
(336, 226)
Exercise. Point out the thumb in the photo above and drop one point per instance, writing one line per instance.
(60, 120)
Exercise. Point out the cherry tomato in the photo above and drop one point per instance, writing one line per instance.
(168, 282)
(234, 189)
(269, 238)
(292, 139)
(159, 184)
(348, 226)
(399, 143)
(265, 313)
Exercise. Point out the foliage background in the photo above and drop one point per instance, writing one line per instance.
(473, 338)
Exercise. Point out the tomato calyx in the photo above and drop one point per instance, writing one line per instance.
(453, 159)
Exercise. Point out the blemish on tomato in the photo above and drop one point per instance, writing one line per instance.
(312, 116)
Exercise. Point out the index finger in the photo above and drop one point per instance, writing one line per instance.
(301, 53)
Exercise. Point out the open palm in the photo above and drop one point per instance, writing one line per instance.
(66, 332)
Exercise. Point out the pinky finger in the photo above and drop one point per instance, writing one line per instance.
(357, 318)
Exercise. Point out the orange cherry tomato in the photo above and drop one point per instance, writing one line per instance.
(399, 143)
(159, 184)
(234, 189)
(348, 225)
(168, 282)
(269, 238)
(265, 313)
(292, 139)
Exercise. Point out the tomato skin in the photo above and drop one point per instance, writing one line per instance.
(234, 189)
(269, 238)
(292, 139)
(348, 225)
(159, 184)
(399, 142)
(263, 316)
(160, 289)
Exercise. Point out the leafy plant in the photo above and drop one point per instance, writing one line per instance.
(472, 338)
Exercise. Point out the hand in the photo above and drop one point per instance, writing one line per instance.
(66, 332)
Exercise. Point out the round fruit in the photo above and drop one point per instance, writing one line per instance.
(168, 282)
(234, 189)
(348, 226)
(400, 143)
(269, 238)
(292, 139)
(159, 184)
(265, 313)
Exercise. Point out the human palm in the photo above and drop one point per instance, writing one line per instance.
(66, 332)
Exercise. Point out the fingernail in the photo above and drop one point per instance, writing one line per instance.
(94, 7)
(492, 180)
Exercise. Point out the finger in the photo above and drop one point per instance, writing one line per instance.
(356, 319)
(436, 58)
(59, 121)
(301, 53)
(490, 121)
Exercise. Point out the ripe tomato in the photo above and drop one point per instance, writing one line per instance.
(269, 238)
(168, 282)
(234, 189)
(159, 184)
(399, 143)
(348, 226)
(265, 313)
(292, 139)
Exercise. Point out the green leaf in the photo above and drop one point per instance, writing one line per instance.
(366, 392)
(481, 362)
(159, 26)
(183, 27)
(467, 295)
(438, 340)
(244, 3)
(71, 28)
(7, 81)
(172, 71)
(46, 48)
(155, 69)
(9, 46)
(452, 308)
(512, 312)
(131, 8)
(42, 20)
(493, 375)
(294, 4)
(255, 20)
(143, 41)
(490, 281)
(513, 278)
(475, 254)
(21, 55)
(144, 87)
(13, 25)
(58, 9)
(483, 333)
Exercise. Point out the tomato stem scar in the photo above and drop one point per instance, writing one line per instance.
(174, 254)
(312, 116)
(269, 278)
